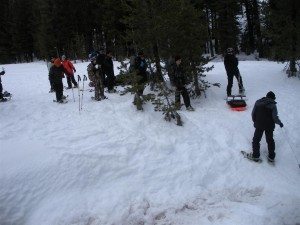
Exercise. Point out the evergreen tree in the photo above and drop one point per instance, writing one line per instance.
(6, 55)
(228, 27)
(283, 27)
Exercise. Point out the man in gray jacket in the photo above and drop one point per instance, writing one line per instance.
(264, 116)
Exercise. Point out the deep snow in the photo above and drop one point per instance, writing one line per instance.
(111, 164)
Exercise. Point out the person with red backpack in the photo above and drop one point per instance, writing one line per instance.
(71, 69)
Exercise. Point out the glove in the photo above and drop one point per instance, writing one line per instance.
(281, 125)
(74, 70)
(2, 73)
(96, 66)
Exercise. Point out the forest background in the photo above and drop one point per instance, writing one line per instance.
(36, 29)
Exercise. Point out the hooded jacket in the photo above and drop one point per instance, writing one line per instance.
(56, 73)
(231, 64)
(265, 114)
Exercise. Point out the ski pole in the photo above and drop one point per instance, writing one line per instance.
(84, 79)
(73, 93)
(79, 79)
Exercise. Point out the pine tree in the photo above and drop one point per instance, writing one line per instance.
(228, 27)
(283, 25)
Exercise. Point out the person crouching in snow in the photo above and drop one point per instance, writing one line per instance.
(56, 74)
(71, 70)
(96, 76)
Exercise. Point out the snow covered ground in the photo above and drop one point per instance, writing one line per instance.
(114, 165)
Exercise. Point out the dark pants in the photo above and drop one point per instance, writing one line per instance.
(185, 96)
(230, 82)
(70, 80)
(110, 82)
(58, 87)
(1, 89)
(256, 143)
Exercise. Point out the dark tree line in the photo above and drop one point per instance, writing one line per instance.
(37, 28)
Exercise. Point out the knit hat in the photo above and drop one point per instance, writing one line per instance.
(57, 62)
(230, 51)
(177, 57)
(271, 95)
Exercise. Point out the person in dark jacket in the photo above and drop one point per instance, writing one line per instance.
(141, 71)
(56, 74)
(2, 99)
(177, 77)
(108, 67)
(232, 70)
(100, 61)
(265, 116)
(49, 65)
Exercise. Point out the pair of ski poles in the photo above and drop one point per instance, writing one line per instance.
(80, 100)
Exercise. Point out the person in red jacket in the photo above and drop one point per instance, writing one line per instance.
(71, 69)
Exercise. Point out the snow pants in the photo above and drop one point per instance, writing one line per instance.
(186, 98)
(256, 143)
(1, 89)
(70, 80)
(58, 88)
(230, 82)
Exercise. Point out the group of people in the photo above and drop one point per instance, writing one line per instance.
(101, 73)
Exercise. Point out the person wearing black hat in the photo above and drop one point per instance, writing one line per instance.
(177, 77)
(232, 70)
(265, 116)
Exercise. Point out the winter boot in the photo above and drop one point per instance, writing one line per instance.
(250, 156)
(190, 108)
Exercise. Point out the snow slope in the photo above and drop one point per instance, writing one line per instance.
(110, 164)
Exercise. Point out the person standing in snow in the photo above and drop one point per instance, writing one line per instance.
(56, 74)
(2, 99)
(141, 72)
(265, 116)
(49, 65)
(232, 70)
(100, 61)
(108, 68)
(177, 78)
(71, 69)
(95, 75)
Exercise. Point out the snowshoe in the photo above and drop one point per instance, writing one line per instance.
(6, 94)
(190, 108)
(250, 157)
(3, 100)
